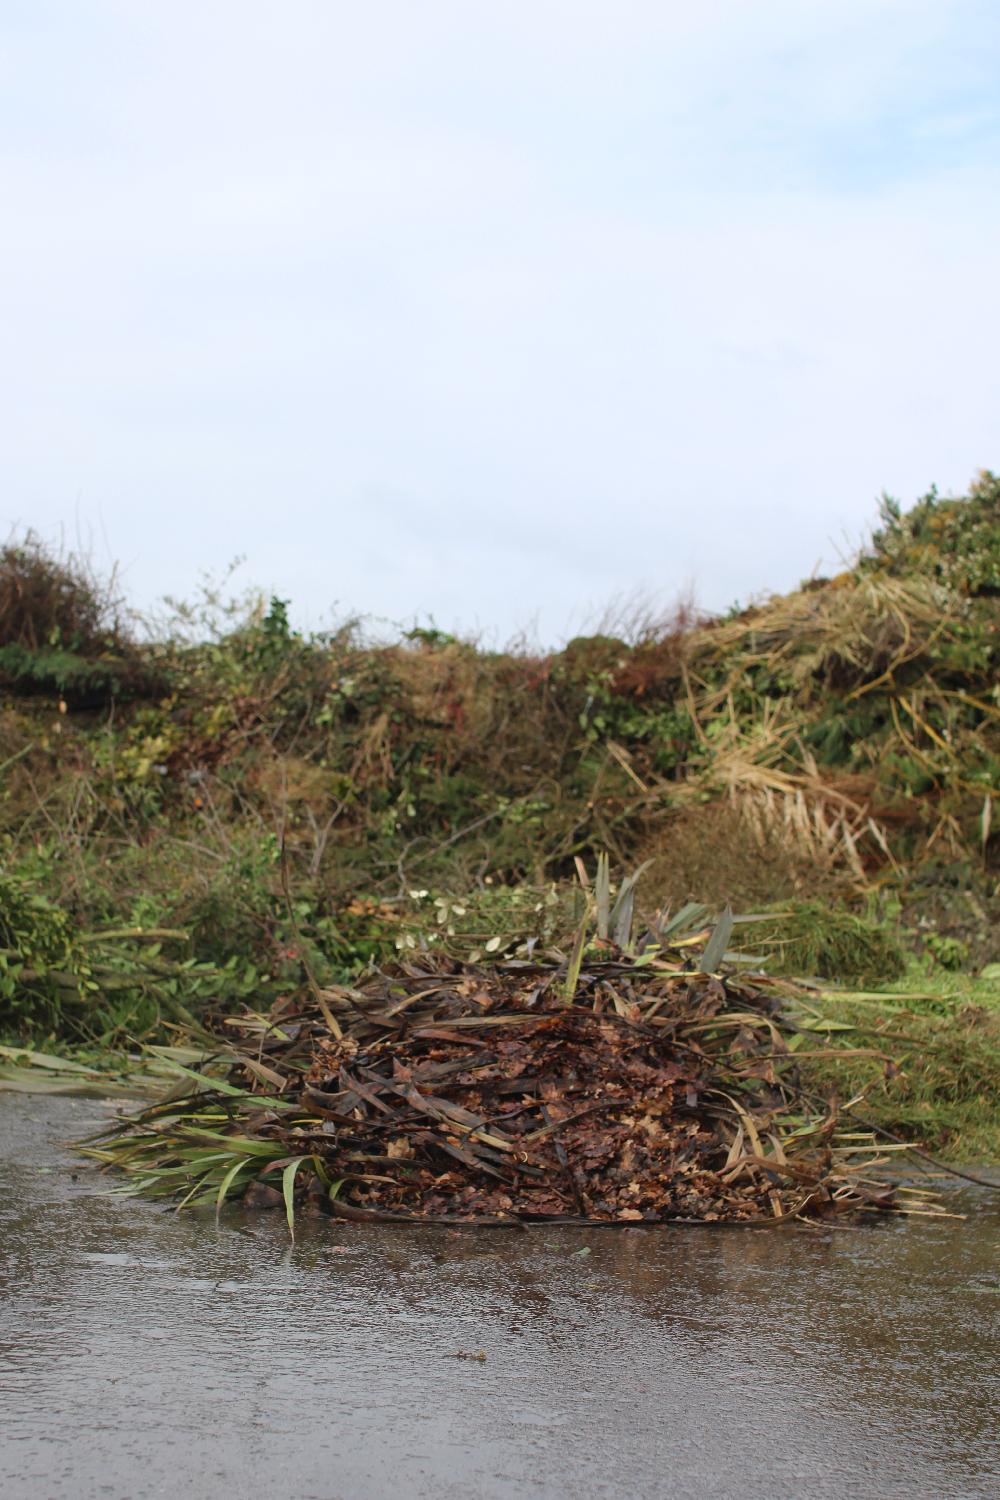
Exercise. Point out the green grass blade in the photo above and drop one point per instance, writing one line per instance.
(691, 914)
(602, 895)
(576, 961)
(288, 1191)
(228, 1180)
(220, 1086)
(717, 944)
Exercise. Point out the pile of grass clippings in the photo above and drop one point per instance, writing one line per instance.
(438, 1091)
(820, 940)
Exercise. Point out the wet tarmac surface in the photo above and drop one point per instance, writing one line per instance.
(148, 1354)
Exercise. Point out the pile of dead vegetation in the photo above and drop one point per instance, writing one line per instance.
(859, 715)
(604, 1086)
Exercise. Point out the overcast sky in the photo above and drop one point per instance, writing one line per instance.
(491, 313)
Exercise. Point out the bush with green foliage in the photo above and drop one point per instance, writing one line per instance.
(813, 746)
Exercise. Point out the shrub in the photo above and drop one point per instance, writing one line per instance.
(49, 602)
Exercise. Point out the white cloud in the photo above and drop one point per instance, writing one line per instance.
(494, 314)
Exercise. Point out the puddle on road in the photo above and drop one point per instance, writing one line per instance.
(146, 1354)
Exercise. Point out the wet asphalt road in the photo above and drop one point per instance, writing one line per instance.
(144, 1354)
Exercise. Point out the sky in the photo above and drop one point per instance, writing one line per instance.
(490, 316)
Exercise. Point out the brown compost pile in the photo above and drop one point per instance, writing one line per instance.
(457, 1092)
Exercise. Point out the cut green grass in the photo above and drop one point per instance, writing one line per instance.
(933, 1071)
(815, 938)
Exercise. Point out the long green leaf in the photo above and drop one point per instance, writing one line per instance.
(238, 1142)
(576, 961)
(602, 896)
(621, 915)
(36, 1081)
(691, 914)
(715, 948)
(227, 1181)
(288, 1191)
(220, 1086)
(46, 1060)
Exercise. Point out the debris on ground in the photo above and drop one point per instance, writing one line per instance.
(619, 1090)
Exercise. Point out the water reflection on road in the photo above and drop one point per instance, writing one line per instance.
(146, 1354)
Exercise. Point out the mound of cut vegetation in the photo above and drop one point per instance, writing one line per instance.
(636, 1086)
